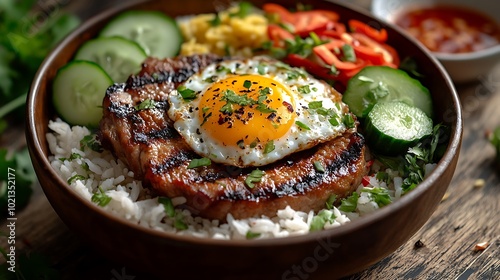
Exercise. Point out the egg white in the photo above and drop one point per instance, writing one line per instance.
(185, 114)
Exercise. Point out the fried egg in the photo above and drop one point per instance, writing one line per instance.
(256, 111)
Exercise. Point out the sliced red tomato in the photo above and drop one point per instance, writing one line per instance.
(281, 11)
(328, 53)
(377, 35)
(278, 35)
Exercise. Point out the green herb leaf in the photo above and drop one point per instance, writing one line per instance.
(76, 177)
(179, 223)
(254, 177)
(252, 235)
(349, 54)
(379, 195)
(101, 198)
(261, 69)
(90, 142)
(315, 105)
(330, 201)
(350, 203)
(319, 167)
(263, 108)
(269, 147)
(333, 121)
(186, 93)
(318, 222)
(349, 121)
(304, 89)
(145, 105)
(247, 84)
(168, 205)
(244, 9)
(216, 21)
(199, 162)
(302, 125)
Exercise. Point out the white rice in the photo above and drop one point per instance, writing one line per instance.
(130, 201)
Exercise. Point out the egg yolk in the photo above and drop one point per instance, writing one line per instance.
(246, 110)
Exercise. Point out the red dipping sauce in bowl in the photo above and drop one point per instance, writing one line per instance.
(450, 29)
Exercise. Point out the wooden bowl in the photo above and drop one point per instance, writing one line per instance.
(330, 253)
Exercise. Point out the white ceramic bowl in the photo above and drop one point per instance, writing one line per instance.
(463, 67)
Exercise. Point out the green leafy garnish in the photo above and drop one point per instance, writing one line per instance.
(349, 121)
(28, 35)
(349, 203)
(76, 177)
(167, 204)
(269, 147)
(145, 105)
(244, 9)
(90, 142)
(318, 166)
(302, 125)
(101, 198)
(261, 69)
(20, 167)
(315, 105)
(494, 138)
(348, 52)
(186, 93)
(379, 195)
(216, 21)
(252, 235)
(247, 84)
(304, 89)
(254, 177)
(333, 121)
(318, 222)
(179, 223)
(329, 202)
(199, 162)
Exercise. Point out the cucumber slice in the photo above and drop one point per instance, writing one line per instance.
(118, 56)
(158, 34)
(375, 84)
(392, 127)
(78, 90)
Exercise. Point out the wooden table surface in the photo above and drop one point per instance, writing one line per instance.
(468, 215)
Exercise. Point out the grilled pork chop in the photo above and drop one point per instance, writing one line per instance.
(148, 143)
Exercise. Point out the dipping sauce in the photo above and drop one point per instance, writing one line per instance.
(450, 29)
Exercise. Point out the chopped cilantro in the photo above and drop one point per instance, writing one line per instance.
(379, 195)
(302, 125)
(101, 198)
(247, 84)
(254, 177)
(315, 104)
(349, 54)
(186, 93)
(333, 121)
(349, 121)
(318, 222)
(349, 203)
(269, 147)
(263, 108)
(304, 89)
(76, 177)
(90, 142)
(261, 69)
(244, 9)
(330, 201)
(216, 21)
(168, 205)
(145, 105)
(252, 235)
(319, 167)
(199, 162)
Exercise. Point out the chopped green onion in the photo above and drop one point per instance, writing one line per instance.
(252, 235)
(329, 202)
(186, 93)
(146, 104)
(247, 84)
(349, 121)
(334, 121)
(199, 162)
(101, 198)
(304, 89)
(315, 104)
(302, 125)
(319, 167)
(254, 177)
(168, 205)
(76, 177)
(269, 147)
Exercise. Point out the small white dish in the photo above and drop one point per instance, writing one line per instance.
(462, 67)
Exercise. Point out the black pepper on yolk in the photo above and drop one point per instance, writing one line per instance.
(247, 109)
